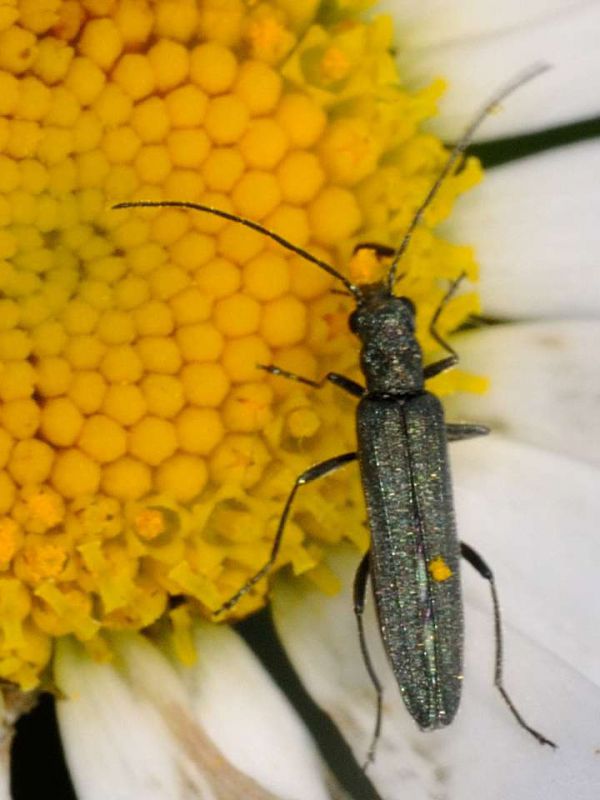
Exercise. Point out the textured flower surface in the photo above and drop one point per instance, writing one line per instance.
(145, 458)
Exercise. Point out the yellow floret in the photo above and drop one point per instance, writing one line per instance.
(163, 395)
(241, 356)
(131, 292)
(61, 421)
(303, 423)
(256, 194)
(300, 176)
(258, 86)
(125, 404)
(34, 99)
(188, 148)
(171, 63)
(126, 479)
(334, 215)
(237, 315)
(9, 93)
(121, 145)
(153, 318)
(190, 305)
(302, 119)
(222, 168)
(199, 342)
(11, 538)
(135, 75)
(101, 42)
(54, 376)
(7, 493)
(219, 278)
(113, 106)
(152, 440)
(116, 327)
(18, 49)
(85, 79)
(14, 345)
(158, 354)
(186, 106)
(226, 119)
(150, 120)
(264, 143)
(31, 461)
(177, 19)
(121, 364)
(283, 321)
(84, 352)
(79, 317)
(134, 20)
(248, 408)
(167, 281)
(199, 430)
(239, 459)
(6, 445)
(17, 380)
(75, 474)
(102, 438)
(52, 60)
(182, 477)
(204, 384)
(266, 276)
(87, 391)
(153, 163)
(213, 67)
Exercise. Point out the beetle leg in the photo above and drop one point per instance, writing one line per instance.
(347, 384)
(318, 471)
(443, 303)
(431, 370)
(457, 431)
(477, 562)
(360, 591)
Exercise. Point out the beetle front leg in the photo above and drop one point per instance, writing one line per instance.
(318, 471)
(347, 384)
(477, 562)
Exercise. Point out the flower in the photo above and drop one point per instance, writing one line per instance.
(149, 459)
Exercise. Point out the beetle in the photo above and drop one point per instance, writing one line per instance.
(402, 437)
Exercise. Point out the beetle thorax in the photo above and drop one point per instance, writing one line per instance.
(391, 357)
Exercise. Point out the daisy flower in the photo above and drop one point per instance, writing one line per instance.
(145, 458)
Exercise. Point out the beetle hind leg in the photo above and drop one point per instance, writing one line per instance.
(360, 592)
(477, 562)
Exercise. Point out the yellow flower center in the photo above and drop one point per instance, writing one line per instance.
(143, 455)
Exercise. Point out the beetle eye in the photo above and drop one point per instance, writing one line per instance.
(353, 322)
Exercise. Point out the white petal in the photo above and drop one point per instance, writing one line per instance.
(430, 23)
(545, 385)
(133, 732)
(479, 57)
(533, 515)
(535, 229)
(115, 741)
(485, 753)
(248, 718)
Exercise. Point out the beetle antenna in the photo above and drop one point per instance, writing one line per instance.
(465, 140)
(248, 223)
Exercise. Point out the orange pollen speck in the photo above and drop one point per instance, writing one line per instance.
(44, 561)
(265, 34)
(365, 267)
(439, 570)
(150, 523)
(334, 64)
(46, 508)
